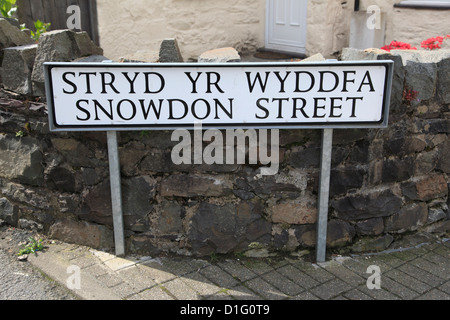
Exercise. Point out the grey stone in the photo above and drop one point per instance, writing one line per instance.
(443, 82)
(9, 212)
(76, 153)
(267, 186)
(345, 179)
(409, 218)
(143, 244)
(306, 158)
(82, 233)
(11, 36)
(443, 163)
(339, 233)
(421, 77)
(437, 213)
(170, 217)
(423, 68)
(439, 227)
(363, 206)
(305, 235)
(61, 179)
(30, 225)
(17, 68)
(212, 229)
(227, 228)
(60, 46)
(137, 195)
(21, 160)
(96, 204)
(220, 55)
(169, 51)
(397, 169)
(160, 161)
(370, 227)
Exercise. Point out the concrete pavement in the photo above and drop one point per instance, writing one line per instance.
(419, 272)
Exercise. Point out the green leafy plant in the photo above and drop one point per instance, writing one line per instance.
(32, 247)
(7, 7)
(40, 27)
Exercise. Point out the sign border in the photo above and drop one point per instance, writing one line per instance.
(383, 123)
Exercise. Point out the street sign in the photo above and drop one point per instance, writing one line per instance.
(118, 96)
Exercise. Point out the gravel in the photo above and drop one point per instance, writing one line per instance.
(19, 280)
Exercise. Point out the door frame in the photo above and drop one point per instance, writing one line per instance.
(278, 47)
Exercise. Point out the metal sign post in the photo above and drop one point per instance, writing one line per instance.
(116, 193)
(324, 192)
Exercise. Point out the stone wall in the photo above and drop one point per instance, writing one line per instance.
(384, 183)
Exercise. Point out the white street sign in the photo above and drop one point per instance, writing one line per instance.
(120, 96)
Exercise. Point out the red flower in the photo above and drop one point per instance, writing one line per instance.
(434, 43)
(398, 45)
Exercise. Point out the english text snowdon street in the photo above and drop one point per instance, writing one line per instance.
(250, 96)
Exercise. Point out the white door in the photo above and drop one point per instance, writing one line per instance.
(286, 25)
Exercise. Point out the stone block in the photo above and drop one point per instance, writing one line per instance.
(9, 212)
(266, 186)
(82, 233)
(61, 179)
(306, 235)
(170, 217)
(169, 51)
(345, 179)
(76, 153)
(17, 68)
(293, 212)
(21, 160)
(427, 72)
(306, 158)
(339, 233)
(425, 188)
(369, 205)
(11, 36)
(443, 82)
(443, 161)
(220, 55)
(213, 229)
(397, 169)
(421, 77)
(137, 193)
(96, 204)
(60, 46)
(409, 218)
(227, 228)
(370, 227)
(188, 186)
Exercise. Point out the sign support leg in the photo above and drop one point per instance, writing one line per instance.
(324, 192)
(116, 193)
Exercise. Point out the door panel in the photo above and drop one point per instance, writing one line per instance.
(286, 25)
